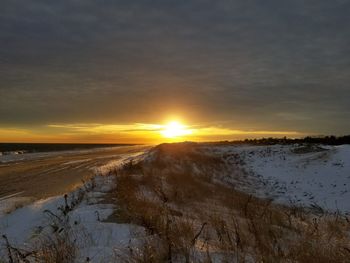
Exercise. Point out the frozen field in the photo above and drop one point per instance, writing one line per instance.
(292, 174)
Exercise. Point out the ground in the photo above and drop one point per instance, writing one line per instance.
(193, 202)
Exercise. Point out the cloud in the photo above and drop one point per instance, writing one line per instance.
(276, 65)
(108, 128)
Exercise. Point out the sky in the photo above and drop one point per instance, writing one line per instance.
(119, 71)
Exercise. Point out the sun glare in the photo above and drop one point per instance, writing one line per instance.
(174, 129)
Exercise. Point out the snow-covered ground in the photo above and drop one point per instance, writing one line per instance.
(26, 226)
(290, 174)
(293, 174)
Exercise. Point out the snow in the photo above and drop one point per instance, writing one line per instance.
(20, 225)
(320, 176)
(94, 238)
(27, 226)
(115, 164)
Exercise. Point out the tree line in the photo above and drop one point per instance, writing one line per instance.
(327, 140)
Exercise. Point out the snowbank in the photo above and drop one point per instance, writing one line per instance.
(295, 174)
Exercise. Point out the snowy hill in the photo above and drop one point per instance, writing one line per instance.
(306, 175)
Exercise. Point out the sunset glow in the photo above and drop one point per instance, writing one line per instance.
(175, 129)
(171, 131)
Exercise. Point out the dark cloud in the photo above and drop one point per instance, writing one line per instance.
(259, 64)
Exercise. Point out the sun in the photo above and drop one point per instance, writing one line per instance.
(175, 129)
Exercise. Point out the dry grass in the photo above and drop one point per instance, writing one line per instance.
(57, 248)
(190, 216)
(174, 197)
(56, 242)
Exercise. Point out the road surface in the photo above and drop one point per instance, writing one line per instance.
(56, 173)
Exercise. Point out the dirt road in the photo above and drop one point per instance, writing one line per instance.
(56, 173)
